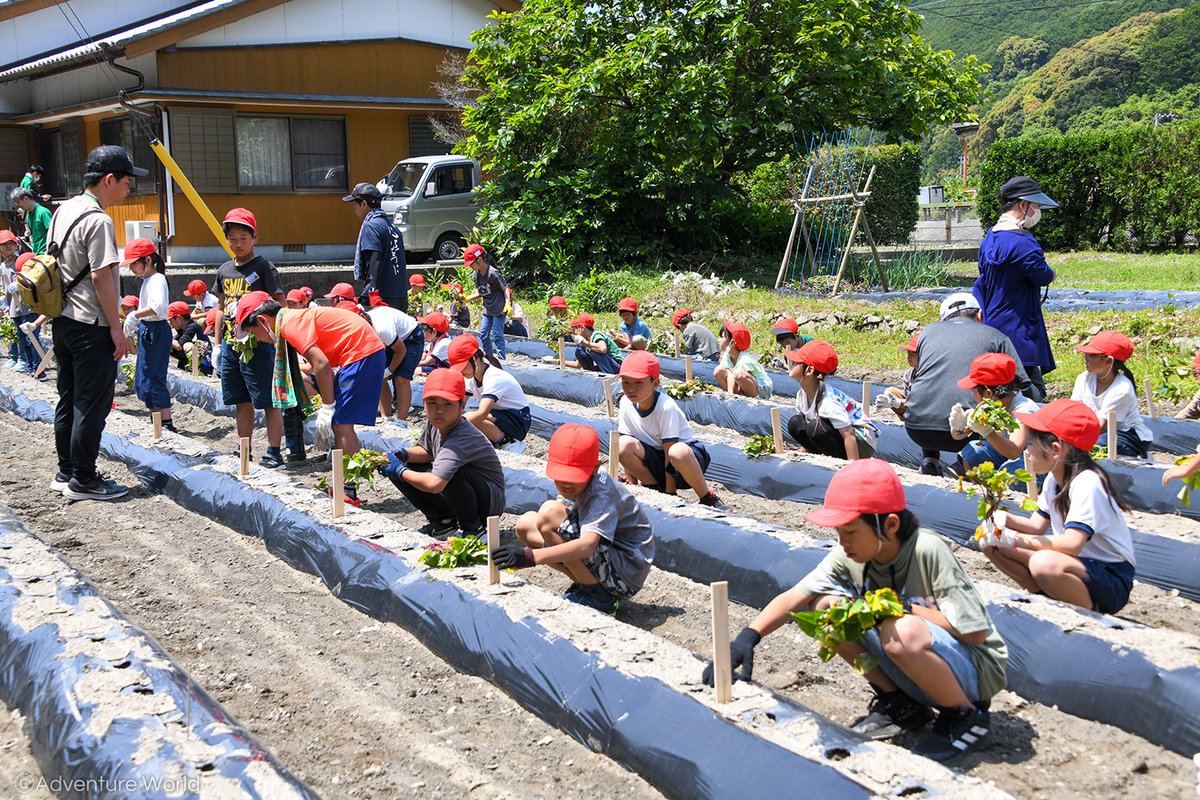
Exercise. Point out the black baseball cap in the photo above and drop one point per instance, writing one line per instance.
(364, 191)
(1022, 188)
(113, 158)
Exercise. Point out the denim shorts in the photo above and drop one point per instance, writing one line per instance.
(1108, 583)
(946, 647)
(247, 381)
(655, 461)
(357, 387)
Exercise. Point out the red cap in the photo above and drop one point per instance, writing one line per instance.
(249, 304)
(680, 314)
(574, 451)
(416, 280)
(640, 364)
(990, 369)
(472, 254)
(308, 293)
(129, 300)
(296, 296)
(447, 384)
(1109, 343)
(912, 343)
(866, 486)
(7, 236)
(1071, 421)
(343, 291)
(785, 325)
(348, 305)
(558, 301)
(178, 309)
(627, 304)
(21, 261)
(817, 354)
(455, 286)
(137, 248)
(196, 288)
(375, 299)
(1195, 359)
(437, 320)
(584, 319)
(210, 319)
(462, 349)
(739, 333)
(240, 216)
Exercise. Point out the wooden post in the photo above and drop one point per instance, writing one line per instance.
(493, 542)
(244, 453)
(614, 452)
(1149, 387)
(1031, 489)
(787, 252)
(677, 344)
(195, 361)
(947, 224)
(777, 429)
(608, 394)
(1112, 436)
(866, 396)
(157, 418)
(337, 482)
(687, 368)
(722, 672)
(562, 353)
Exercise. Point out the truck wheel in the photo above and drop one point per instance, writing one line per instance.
(449, 247)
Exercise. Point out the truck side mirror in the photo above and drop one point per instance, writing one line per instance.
(430, 189)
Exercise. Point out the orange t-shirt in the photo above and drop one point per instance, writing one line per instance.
(343, 336)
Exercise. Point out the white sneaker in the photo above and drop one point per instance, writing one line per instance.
(514, 447)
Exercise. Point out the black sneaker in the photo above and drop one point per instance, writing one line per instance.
(593, 596)
(61, 479)
(930, 466)
(440, 530)
(890, 714)
(296, 457)
(96, 489)
(712, 501)
(272, 460)
(957, 731)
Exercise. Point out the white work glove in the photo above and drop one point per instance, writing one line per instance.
(576, 338)
(886, 401)
(980, 428)
(323, 437)
(26, 328)
(995, 534)
(958, 419)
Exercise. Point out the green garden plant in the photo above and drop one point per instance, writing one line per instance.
(759, 445)
(455, 552)
(846, 621)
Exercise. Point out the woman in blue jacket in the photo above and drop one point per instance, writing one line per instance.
(1012, 272)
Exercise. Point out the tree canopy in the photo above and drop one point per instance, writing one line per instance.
(614, 129)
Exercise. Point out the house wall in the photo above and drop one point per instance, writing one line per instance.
(32, 33)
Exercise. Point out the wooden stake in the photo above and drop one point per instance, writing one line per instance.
(677, 344)
(1112, 436)
(562, 353)
(777, 429)
(493, 542)
(687, 368)
(722, 672)
(156, 417)
(244, 451)
(195, 361)
(866, 396)
(1149, 397)
(1031, 489)
(614, 452)
(335, 485)
(608, 395)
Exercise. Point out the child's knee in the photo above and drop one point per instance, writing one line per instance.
(904, 637)
(680, 453)
(630, 446)
(527, 523)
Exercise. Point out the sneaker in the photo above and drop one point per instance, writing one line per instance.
(712, 501)
(96, 489)
(930, 466)
(510, 445)
(891, 713)
(10, 364)
(593, 596)
(957, 731)
(61, 479)
(443, 529)
(272, 460)
(296, 457)
(22, 368)
(479, 534)
(393, 421)
(42, 376)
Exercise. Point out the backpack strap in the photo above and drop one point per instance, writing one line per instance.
(53, 248)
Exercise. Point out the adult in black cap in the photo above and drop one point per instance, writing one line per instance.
(1012, 272)
(379, 255)
(88, 341)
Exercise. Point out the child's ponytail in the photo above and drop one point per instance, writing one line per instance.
(1120, 368)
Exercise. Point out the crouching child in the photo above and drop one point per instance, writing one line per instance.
(596, 534)
(503, 413)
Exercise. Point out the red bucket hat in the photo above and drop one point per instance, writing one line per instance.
(739, 333)
(817, 354)
(912, 343)
(680, 314)
(249, 304)
(240, 216)
(1109, 343)
(196, 288)
(296, 296)
(1071, 421)
(137, 248)
(990, 369)
(472, 254)
(866, 486)
(586, 320)
(178, 309)
(416, 280)
(574, 451)
(130, 300)
(437, 320)
(210, 319)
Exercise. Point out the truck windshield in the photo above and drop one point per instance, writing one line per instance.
(404, 178)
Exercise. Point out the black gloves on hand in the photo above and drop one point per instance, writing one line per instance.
(741, 654)
(512, 556)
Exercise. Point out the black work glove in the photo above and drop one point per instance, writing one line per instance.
(741, 654)
(512, 556)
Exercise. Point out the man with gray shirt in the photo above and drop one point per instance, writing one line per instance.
(88, 341)
(944, 354)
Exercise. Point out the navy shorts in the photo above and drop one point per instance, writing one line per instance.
(247, 381)
(356, 390)
(655, 461)
(1108, 583)
(414, 344)
(513, 422)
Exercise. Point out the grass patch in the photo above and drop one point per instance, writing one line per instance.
(1112, 271)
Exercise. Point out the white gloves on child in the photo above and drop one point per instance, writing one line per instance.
(995, 534)
(958, 420)
(323, 437)
(26, 328)
(576, 338)
(886, 401)
(984, 430)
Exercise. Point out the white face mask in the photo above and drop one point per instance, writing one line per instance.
(1032, 218)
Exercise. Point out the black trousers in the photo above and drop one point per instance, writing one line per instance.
(932, 443)
(817, 436)
(87, 376)
(468, 498)
(1037, 384)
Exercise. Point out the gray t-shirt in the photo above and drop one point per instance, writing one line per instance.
(699, 341)
(608, 509)
(92, 246)
(944, 355)
(463, 447)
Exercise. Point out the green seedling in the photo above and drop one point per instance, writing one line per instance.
(455, 552)
(759, 445)
(991, 487)
(8, 331)
(362, 466)
(846, 621)
(128, 371)
(993, 413)
(685, 390)
(1190, 484)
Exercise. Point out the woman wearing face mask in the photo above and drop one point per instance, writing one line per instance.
(1012, 274)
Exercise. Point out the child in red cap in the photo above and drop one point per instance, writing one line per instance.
(436, 330)
(416, 293)
(658, 447)
(787, 334)
(750, 379)
(557, 307)
(154, 335)
(490, 287)
(827, 421)
(944, 652)
(452, 474)
(597, 534)
(698, 341)
(202, 297)
(189, 335)
(595, 351)
(633, 333)
(993, 376)
(1077, 548)
(896, 397)
(1106, 385)
(1192, 409)
(503, 413)
(460, 311)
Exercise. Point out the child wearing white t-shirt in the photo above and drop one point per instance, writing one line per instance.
(503, 413)
(1105, 385)
(828, 422)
